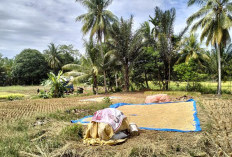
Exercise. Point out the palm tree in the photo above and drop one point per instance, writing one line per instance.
(215, 18)
(145, 59)
(107, 62)
(147, 34)
(89, 66)
(191, 49)
(163, 32)
(52, 56)
(97, 21)
(126, 45)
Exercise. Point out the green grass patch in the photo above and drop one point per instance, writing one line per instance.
(207, 87)
(79, 111)
(73, 132)
(11, 96)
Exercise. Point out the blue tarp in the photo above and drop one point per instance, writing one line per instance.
(196, 120)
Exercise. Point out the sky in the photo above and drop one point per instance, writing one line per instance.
(34, 24)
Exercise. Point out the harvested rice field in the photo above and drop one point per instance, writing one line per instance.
(42, 127)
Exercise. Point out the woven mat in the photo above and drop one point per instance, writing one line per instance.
(180, 116)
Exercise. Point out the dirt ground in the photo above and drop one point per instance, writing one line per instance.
(215, 116)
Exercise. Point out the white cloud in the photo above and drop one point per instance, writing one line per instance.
(33, 24)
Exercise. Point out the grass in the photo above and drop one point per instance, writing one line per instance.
(73, 132)
(58, 137)
(208, 85)
(173, 93)
(11, 96)
(21, 137)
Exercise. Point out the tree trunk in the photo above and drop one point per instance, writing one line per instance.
(116, 80)
(126, 78)
(219, 70)
(169, 74)
(95, 87)
(146, 80)
(105, 84)
(166, 85)
(102, 55)
(94, 91)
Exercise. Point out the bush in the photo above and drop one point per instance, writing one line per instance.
(73, 132)
(45, 95)
(107, 100)
(197, 87)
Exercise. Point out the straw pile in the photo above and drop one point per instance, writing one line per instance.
(171, 115)
(163, 116)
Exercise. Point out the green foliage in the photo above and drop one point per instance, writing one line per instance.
(90, 66)
(214, 18)
(98, 19)
(190, 50)
(44, 95)
(146, 68)
(58, 56)
(11, 96)
(29, 67)
(126, 46)
(68, 54)
(188, 72)
(73, 132)
(52, 55)
(166, 41)
(107, 100)
(5, 70)
(57, 85)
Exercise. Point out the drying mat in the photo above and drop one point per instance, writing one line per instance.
(99, 99)
(172, 116)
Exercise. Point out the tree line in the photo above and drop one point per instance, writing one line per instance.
(119, 57)
(30, 66)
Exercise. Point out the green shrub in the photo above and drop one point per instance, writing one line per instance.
(73, 132)
(44, 95)
(118, 89)
(107, 100)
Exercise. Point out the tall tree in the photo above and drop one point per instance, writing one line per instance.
(97, 21)
(163, 31)
(29, 67)
(146, 63)
(215, 19)
(191, 49)
(68, 54)
(89, 66)
(126, 45)
(107, 63)
(2, 71)
(52, 56)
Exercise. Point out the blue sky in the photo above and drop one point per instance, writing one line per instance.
(33, 24)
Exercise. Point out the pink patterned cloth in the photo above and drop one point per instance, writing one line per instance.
(157, 98)
(111, 116)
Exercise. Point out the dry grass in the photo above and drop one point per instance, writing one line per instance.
(45, 140)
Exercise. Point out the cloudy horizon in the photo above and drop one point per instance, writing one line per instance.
(28, 24)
